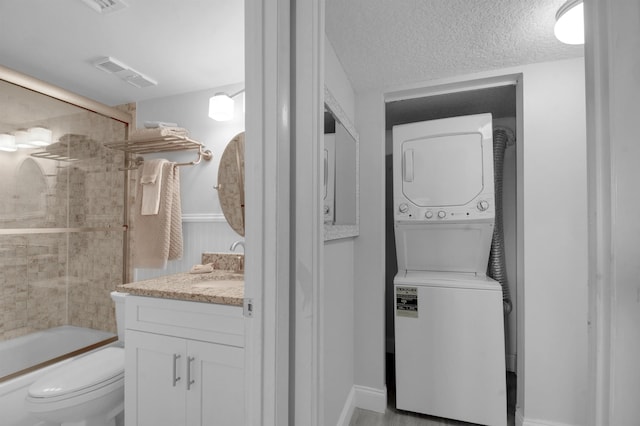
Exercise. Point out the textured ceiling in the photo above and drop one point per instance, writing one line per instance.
(383, 43)
(185, 45)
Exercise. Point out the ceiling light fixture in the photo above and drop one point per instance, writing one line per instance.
(7, 142)
(22, 139)
(39, 136)
(569, 26)
(221, 106)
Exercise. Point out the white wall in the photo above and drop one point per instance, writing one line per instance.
(370, 245)
(337, 290)
(555, 243)
(204, 226)
(553, 338)
(338, 334)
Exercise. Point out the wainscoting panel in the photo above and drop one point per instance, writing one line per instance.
(201, 233)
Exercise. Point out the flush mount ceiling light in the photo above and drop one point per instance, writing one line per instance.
(7, 142)
(22, 139)
(39, 136)
(221, 106)
(569, 27)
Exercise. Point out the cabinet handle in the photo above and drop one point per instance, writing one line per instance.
(190, 380)
(175, 369)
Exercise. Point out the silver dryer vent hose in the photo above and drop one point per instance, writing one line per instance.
(497, 269)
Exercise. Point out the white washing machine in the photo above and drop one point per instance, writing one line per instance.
(449, 327)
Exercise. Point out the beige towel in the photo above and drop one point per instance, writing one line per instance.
(158, 238)
(151, 180)
(158, 132)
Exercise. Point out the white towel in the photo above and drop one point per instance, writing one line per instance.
(158, 132)
(151, 181)
(158, 238)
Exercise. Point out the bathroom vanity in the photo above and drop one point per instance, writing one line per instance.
(185, 350)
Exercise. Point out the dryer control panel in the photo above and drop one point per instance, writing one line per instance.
(483, 209)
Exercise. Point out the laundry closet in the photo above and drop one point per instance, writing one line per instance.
(445, 231)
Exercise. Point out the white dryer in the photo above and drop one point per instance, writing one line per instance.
(443, 194)
(449, 327)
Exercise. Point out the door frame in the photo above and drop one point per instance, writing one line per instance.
(267, 160)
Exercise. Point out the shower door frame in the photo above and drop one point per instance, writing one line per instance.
(39, 86)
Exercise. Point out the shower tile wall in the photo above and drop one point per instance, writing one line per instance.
(64, 278)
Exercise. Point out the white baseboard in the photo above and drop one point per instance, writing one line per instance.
(370, 398)
(347, 410)
(363, 397)
(523, 421)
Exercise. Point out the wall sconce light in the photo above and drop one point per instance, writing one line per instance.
(221, 106)
(7, 142)
(569, 27)
(39, 136)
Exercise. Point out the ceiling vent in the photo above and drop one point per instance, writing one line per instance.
(105, 6)
(108, 64)
(124, 72)
(140, 81)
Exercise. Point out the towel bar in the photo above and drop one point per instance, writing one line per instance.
(159, 144)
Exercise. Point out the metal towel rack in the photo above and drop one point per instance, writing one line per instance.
(160, 144)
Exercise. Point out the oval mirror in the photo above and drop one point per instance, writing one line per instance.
(231, 183)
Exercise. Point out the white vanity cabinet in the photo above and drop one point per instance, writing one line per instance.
(184, 363)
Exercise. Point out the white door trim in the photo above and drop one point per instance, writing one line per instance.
(267, 83)
(308, 16)
(600, 279)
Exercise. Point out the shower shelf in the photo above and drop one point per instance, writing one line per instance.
(158, 144)
(53, 155)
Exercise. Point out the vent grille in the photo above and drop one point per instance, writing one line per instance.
(124, 72)
(105, 6)
(109, 64)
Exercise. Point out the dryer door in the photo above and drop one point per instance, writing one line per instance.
(442, 170)
(445, 167)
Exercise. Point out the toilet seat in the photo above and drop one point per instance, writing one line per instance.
(84, 379)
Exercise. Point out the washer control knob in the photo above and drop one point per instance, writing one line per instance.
(428, 214)
(483, 205)
(404, 207)
(442, 214)
(327, 209)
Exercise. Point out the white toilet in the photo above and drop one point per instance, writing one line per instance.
(88, 391)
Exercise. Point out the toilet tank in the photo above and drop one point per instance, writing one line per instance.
(118, 299)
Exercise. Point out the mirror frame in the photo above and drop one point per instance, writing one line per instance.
(335, 232)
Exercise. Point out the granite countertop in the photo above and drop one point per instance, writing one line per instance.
(220, 286)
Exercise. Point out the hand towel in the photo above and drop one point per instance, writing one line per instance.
(158, 238)
(151, 181)
(175, 236)
(157, 132)
(201, 269)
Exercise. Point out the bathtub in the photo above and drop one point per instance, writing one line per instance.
(35, 349)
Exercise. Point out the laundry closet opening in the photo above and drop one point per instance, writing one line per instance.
(501, 102)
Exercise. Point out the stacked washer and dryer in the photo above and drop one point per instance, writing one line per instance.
(449, 326)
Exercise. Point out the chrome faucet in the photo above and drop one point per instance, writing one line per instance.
(236, 244)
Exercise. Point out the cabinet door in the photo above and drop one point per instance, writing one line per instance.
(154, 379)
(216, 396)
